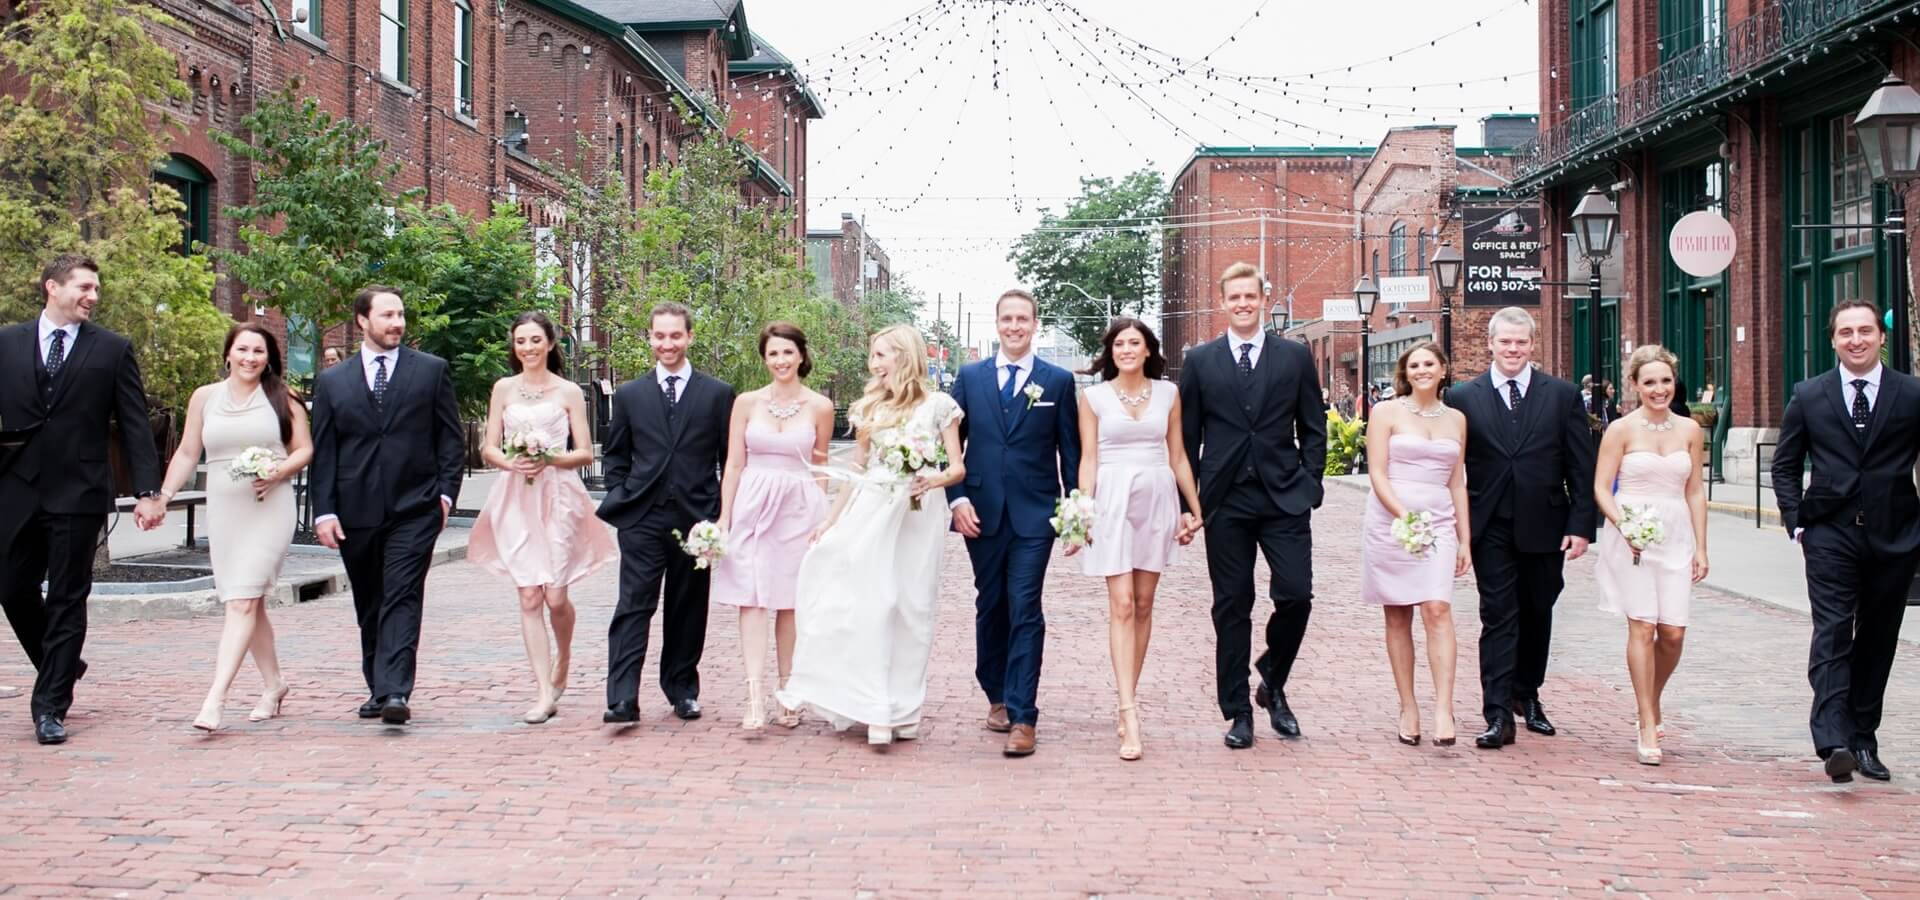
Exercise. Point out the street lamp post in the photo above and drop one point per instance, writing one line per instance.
(1596, 222)
(1447, 265)
(1083, 292)
(1365, 294)
(1889, 130)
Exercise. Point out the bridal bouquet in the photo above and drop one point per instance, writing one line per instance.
(908, 452)
(705, 542)
(253, 464)
(1073, 519)
(527, 443)
(1415, 532)
(1640, 524)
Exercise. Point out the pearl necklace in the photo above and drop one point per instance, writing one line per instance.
(1651, 425)
(1424, 414)
(527, 393)
(783, 413)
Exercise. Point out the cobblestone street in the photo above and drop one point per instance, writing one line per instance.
(469, 801)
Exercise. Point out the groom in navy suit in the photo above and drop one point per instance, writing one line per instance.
(1021, 429)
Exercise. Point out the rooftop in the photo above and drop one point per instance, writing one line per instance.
(729, 17)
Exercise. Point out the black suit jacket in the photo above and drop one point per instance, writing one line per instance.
(372, 465)
(1546, 462)
(63, 466)
(648, 463)
(1271, 426)
(1872, 476)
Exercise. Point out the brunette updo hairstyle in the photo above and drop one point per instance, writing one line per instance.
(1103, 364)
(273, 378)
(791, 332)
(554, 362)
(1401, 387)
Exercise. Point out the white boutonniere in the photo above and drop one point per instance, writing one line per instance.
(1034, 392)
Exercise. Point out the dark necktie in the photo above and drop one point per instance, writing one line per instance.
(57, 353)
(1246, 358)
(380, 381)
(1860, 410)
(1006, 390)
(673, 395)
(1513, 398)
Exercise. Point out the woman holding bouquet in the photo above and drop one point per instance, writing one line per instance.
(863, 605)
(537, 527)
(770, 505)
(1134, 463)
(1416, 536)
(254, 432)
(1657, 547)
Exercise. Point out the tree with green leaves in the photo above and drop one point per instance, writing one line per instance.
(77, 155)
(324, 215)
(1107, 242)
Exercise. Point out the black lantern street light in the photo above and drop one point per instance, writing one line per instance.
(1447, 265)
(1596, 222)
(1889, 130)
(1366, 294)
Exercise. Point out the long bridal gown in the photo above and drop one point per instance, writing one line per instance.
(864, 605)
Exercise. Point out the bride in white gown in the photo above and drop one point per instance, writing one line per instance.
(863, 612)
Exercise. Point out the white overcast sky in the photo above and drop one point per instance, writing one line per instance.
(913, 111)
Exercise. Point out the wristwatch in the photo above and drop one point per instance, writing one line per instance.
(145, 494)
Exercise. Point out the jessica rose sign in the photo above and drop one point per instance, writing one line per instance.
(1702, 244)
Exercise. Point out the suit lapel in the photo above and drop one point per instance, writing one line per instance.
(990, 384)
(1230, 375)
(682, 404)
(404, 362)
(1889, 394)
(23, 345)
(1494, 411)
(1266, 377)
(1530, 409)
(1836, 393)
(83, 341)
(1021, 406)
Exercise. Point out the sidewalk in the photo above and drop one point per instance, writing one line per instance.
(1757, 564)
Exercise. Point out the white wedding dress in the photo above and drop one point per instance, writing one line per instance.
(864, 606)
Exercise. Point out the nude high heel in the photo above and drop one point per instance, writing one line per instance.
(269, 706)
(1129, 734)
(756, 717)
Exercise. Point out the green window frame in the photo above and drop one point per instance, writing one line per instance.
(1827, 184)
(463, 57)
(1694, 313)
(196, 191)
(1609, 340)
(393, 39)
(1595, 41)
(312, 25)
(1686, 24)
(1397, 249)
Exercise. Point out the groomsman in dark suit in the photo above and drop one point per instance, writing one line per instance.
(1021, 427)
(1858, 523)
(1530, 456)
(388, 456)
(1256, 434)
(662, 457)
(66, 384)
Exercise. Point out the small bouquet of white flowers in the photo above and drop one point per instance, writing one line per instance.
(705, 542)
(1640, 524)
(1415, 532)
(1073, 519)
(253, 464)
(908, 452)
(527, 443)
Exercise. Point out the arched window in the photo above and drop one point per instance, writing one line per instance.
(195, 188)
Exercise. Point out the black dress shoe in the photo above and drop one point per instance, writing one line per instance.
(48, 730)
(1840, 765)
(688, 709)
(1284, 723)
(1499, 733)
(1536, 716)
(80, 672)
(371, 708)
(626, 711)
(395, 711)
(1240, 736)
(1869, 764)
(1262, 696)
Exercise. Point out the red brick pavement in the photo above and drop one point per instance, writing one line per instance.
(468, 801)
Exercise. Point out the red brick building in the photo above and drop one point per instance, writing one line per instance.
(771, 106)
(1743, 108)
(835, 255)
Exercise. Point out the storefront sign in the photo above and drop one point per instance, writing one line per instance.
(1702, 244)
(1503, 256)
(1340, 309)
(1403, 289)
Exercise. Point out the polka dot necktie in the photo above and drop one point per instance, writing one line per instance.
(673, 395)
(57, 353)
(1246, 359)
(380, 381)
(1860, 410)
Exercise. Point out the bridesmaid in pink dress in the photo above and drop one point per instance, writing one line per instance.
(770, 504)
(1134, 463)
(1415, 445)
(537, 527)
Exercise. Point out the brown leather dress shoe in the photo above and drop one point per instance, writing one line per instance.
(1020, 741)
(997, 718)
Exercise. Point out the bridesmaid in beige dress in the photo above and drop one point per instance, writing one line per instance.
(537, 527)
(249, 522)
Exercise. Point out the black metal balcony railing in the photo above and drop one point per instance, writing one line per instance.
(1777, 28)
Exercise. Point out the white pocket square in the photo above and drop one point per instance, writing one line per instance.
(1040, 403)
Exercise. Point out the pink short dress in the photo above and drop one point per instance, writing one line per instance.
(1418, 468)
(1136, 503)
(776, 507)
(545, 533)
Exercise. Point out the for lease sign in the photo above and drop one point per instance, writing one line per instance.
(1503, 256)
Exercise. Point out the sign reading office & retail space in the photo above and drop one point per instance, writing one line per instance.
(1503, 256)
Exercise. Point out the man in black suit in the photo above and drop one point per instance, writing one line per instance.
(663, 456)
(1256, 435)
(388, 456)
(1858, 523)
(64, 385)
(1530, 457)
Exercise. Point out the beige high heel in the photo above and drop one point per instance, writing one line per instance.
(788, 718)
(1129, 734)
(269, 706)
(756, 717)
(207, 723)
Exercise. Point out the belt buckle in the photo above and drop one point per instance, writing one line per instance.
(1860, 518)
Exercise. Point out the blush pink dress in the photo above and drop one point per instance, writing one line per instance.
(1660, 588)
(1418, 469)
(776, 507)
(1136, 503)
(544, 533)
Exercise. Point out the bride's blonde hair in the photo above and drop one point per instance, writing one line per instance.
(891, 398)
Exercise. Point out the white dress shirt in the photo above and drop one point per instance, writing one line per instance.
(1020, 374)
(661, 372)
(47, 328)
(368, 354)
(1847, 378)
(1234, 341)
(1500, 380)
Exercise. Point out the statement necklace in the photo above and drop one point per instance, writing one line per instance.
(526, 393)
(783, 412)
(1435, 413)
(1651, 425)
(1132, 401)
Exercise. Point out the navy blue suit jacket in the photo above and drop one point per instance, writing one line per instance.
(1018, 461)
